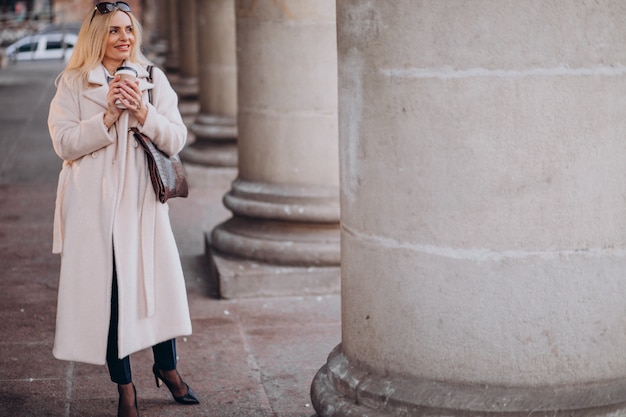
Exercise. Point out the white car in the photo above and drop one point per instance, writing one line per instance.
(42, 46)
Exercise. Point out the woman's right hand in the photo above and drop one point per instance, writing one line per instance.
(113, 112)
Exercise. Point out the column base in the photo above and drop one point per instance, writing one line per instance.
(288, 244)
(243, 278)
(215, 142)
(342, 389)
(188, 110)
(207, 126)
(286, 202)
(171, 65)
(185, 86)
(210, 154)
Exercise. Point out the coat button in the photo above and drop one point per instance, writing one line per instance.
(94, 155)
(135, 144)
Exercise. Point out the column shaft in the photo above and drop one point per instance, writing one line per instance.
(215, 127)
(186, 84)
(172, 62)
(161, 33)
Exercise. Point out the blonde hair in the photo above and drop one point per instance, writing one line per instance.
(91, 45)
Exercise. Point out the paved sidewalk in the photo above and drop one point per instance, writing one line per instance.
(248, 358)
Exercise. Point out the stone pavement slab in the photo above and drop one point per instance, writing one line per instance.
(254, 357)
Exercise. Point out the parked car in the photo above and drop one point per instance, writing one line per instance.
(52, 45)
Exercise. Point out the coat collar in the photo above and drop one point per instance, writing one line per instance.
(98, 86)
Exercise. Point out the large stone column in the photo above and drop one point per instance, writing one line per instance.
(186, 84)
(172, 60)
(283, 237)
(215, 126)
(483, 210)
(160, 35)
(162, 20)
(148, 21)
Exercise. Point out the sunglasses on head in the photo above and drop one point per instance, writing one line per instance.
(107, 7)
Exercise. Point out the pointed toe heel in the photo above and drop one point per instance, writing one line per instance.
(189, 398)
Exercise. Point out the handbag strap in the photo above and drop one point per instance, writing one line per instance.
(150, 81)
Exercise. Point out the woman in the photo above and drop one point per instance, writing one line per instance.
(121, 285)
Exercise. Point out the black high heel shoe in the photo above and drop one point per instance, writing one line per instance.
(188, 399)
(119, 404)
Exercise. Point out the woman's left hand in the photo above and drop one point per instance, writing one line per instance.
(131, 98)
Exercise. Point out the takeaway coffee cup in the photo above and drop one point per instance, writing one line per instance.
(126, 73)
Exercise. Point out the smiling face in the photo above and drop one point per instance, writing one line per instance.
(119, 42)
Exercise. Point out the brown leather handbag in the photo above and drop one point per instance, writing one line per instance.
(166, 172)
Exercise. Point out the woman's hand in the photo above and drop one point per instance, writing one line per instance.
(127, 93)
(130, 96)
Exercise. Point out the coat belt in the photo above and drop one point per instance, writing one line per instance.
(148, 224)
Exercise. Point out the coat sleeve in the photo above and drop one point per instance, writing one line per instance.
(72, 137)
(164, 124)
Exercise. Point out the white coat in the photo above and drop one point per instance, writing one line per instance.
(105, 208)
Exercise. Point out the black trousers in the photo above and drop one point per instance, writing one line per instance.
(119, 369)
